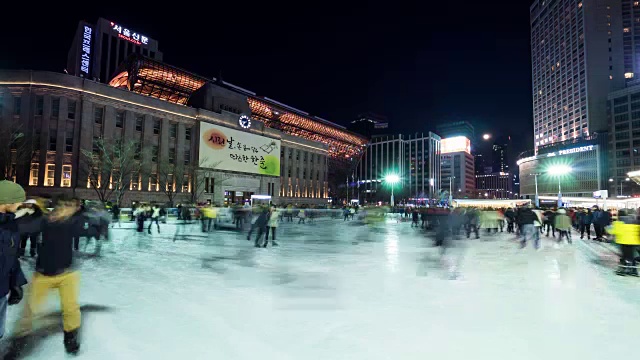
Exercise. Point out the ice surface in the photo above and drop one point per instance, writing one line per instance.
(336, 290)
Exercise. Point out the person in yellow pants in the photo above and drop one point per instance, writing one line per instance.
(54, 270)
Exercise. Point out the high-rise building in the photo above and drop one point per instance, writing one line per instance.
(457, 169)
(369, 124)
(631, 39)
(500, 159)
(456, 128)
(98, 50)
(577, 59)
(495, 186)
(423, 157)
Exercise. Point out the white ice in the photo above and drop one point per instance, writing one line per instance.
(334, 290)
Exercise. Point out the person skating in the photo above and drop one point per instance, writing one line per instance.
(472, 218)
(155, 217)
(261, 225)
(30, 208)
(139, 214)
(627, 233)
(11, 276)
(527, 219)
(54, 270)
(510, 216)
(414, 218)
(585, 224)
(562, 223)
(115, 211)
(272, 225)
(549, 222)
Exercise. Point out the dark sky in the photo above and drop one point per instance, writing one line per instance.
(417, 64)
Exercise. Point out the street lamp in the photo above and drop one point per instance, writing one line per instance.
(392, 179)
(621, 181)
(537, 201)
(486, 136)
(451, 190)
(558, 171)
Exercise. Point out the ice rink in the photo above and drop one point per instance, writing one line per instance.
(336, 290)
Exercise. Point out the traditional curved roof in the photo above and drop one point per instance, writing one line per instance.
(156, 79)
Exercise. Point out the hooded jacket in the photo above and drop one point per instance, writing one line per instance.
(11, 274)
(626, 230)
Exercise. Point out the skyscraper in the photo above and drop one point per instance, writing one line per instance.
(500, 160)
(577, 59)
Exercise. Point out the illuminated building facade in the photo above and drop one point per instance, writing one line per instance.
(587, 159)
(577, 59)
(97, 50)
(495, 186)
(457, 169)
(623, 109)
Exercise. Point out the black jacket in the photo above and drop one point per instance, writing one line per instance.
(55, 255)
(11, 274)
(527, 216)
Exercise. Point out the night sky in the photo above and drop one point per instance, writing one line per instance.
(419, 66)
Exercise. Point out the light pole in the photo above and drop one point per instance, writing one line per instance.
(621, 181)
(451, 190)
(535, 176)
(392, 179)
(559, 171)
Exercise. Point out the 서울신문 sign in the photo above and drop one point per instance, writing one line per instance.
(240, 151)
(85, 53)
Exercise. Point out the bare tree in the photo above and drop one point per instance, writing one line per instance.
(170, 178)
(16, 149)
(112, 165)
(200, 176)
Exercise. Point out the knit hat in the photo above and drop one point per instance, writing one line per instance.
(11, 193)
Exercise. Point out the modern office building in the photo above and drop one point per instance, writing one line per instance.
(631, 39)
(369, 124)
(585, 158)
(414, 158)
(624, 142)
(456, 128)
(97, 50)
(495, 186)
(457, 169)
(577, 59)
(500, 155)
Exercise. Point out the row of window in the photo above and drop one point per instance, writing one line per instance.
(39, 110)
(139, 123)
(49, 175)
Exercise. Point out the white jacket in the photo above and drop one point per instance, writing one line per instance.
(273, 219)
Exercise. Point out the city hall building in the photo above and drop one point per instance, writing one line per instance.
(242, 144)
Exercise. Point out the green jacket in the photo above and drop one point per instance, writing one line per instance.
(563, 222)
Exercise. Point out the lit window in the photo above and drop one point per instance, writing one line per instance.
(628, 75)
(33, 174)
(580, 5)
(49, 175)
(626, 30)
(66, 176)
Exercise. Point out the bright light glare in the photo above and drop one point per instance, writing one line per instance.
(486, 136)
(559, 170)
(392, 178)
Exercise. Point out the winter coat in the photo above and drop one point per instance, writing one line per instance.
(587, 219)
(273, 219)
(626, 231)
(55, 255)
(602, 218)
(562, 222)
(11, 274)
(155, 212)
(262, 220)
(527, 217)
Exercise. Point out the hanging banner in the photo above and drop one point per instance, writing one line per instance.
(233, 150)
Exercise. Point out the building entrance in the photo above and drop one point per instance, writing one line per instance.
(232, 197)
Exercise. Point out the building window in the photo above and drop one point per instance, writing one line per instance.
(98, 114)
(49, 175)
(53, 136)
(96, 147)
(55, 108)
(187, 157)
(187, 134)
(68, 142)
(120, 119)
(39, 105)
(620, 109)
(139, 121)
(173, 130)
(156, 127)
(17, 106)
(71, 109)
(172, 155)
(66, 176)
(622, 118)
(154, 153)
(33, 174)
(153, 182)
(136, 156)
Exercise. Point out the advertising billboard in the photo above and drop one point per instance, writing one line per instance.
(455, 144)
(240, 151)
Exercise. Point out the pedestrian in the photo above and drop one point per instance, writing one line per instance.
(11, 276)
(562, 223)
(139, 214)
(472, 218)
(527, 221)
(155, 217)
(302, 216)
(115, 211)
(601, 219)
(510, 216)
(627, 233)
(272, 225)
(345, 212)
(549, 222)
(261, 225)
(54, 270)
(414, 218)
(31, 208)
(585, 224)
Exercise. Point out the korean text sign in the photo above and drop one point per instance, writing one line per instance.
(240, 151)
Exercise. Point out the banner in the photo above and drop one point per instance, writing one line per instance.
(239, 151)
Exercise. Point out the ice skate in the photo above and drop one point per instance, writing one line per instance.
(71, 344)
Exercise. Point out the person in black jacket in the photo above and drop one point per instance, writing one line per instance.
(261, 226)
(30, 207)
(54, 270)
(527, 218)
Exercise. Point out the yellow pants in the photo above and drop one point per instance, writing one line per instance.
(67, 285)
